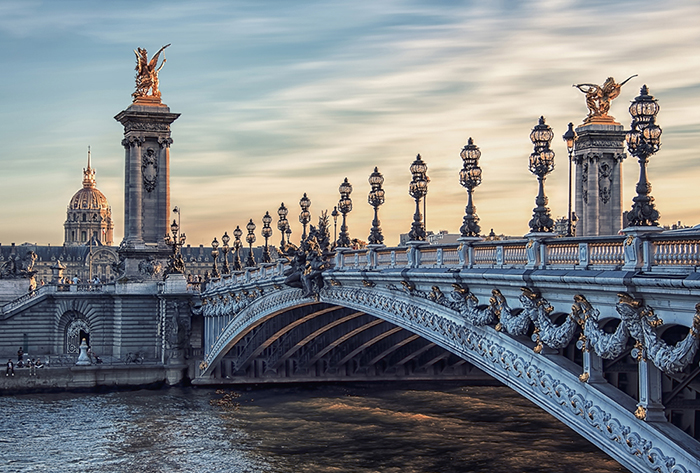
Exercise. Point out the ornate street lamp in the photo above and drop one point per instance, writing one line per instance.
(541, 164)
(375, 199)
(570, 139)
(224, 250)
(643, 140)
(335, 214)
(237, 244)
(305, 215)
(266, 233)
(345, 206)
(250, 238)
(176, 241)
(282, 223)
(215, 255)
(470, 178)
(418, 188)
(288, 232)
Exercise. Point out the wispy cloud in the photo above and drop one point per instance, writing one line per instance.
(278, 99)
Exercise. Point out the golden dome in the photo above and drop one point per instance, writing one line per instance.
(89, 197)
(89, 217)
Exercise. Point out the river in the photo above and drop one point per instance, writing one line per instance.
(390, 428)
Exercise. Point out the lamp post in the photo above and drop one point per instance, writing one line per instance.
(250, 238)
(470, 178)
(418, 188)
(305, 215)
(215, 255)
(288, 232)
(335, 214)
(237, 244)
(375, 199)
(266, 233)
(541, 164)
(175, 241)
(643, 140)
(224, 250)
(570, 138)
(282, 223)
(344, 206)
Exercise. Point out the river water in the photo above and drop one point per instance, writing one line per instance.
(416, 428)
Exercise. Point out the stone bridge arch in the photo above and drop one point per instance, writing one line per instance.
(595, 411)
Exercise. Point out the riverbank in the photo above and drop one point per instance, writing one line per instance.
(92, 378)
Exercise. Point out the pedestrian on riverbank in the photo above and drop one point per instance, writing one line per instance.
(32, 367)
(20, 354)
(39, 364)
(10, 368)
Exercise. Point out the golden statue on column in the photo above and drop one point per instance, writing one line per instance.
(147, 76)
(598, 98)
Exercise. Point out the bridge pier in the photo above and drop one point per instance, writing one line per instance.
(650, 407)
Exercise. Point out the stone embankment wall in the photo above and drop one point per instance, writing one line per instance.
(85, 378)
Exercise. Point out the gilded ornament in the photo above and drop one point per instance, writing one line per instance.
(598, 98)
(147, 76)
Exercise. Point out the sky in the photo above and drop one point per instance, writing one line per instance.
(279, 98)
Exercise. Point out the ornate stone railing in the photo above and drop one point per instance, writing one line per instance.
(634, 252)
(258, 273)
(677, 252)
(646, 252)
(32, 296)
(26, 298)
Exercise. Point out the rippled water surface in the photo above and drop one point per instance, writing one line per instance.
(359, 428)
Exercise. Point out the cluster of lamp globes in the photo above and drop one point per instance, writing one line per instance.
(643, 140)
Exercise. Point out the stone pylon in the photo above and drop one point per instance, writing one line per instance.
(146, 186)
(598, 156)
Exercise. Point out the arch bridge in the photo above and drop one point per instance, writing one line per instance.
(600, 332)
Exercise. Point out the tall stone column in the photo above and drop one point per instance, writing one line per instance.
(147, 174)
(599, 153)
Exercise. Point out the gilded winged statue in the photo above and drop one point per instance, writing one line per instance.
(598, 97)
(147, 73)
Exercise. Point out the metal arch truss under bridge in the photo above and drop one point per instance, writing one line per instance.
(602, 333)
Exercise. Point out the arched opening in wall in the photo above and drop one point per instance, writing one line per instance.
(76, 331)
(83, 236)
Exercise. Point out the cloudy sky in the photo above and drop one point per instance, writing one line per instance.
(279, 98)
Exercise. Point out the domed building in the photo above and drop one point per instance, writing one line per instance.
(89, 214)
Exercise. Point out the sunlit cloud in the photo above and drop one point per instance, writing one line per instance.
(291, 98)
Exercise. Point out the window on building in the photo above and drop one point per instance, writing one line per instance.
(83, 236)
(84, 217)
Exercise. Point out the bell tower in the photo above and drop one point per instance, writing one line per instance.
(147, 169)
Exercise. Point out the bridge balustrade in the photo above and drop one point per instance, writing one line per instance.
(646, 253)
